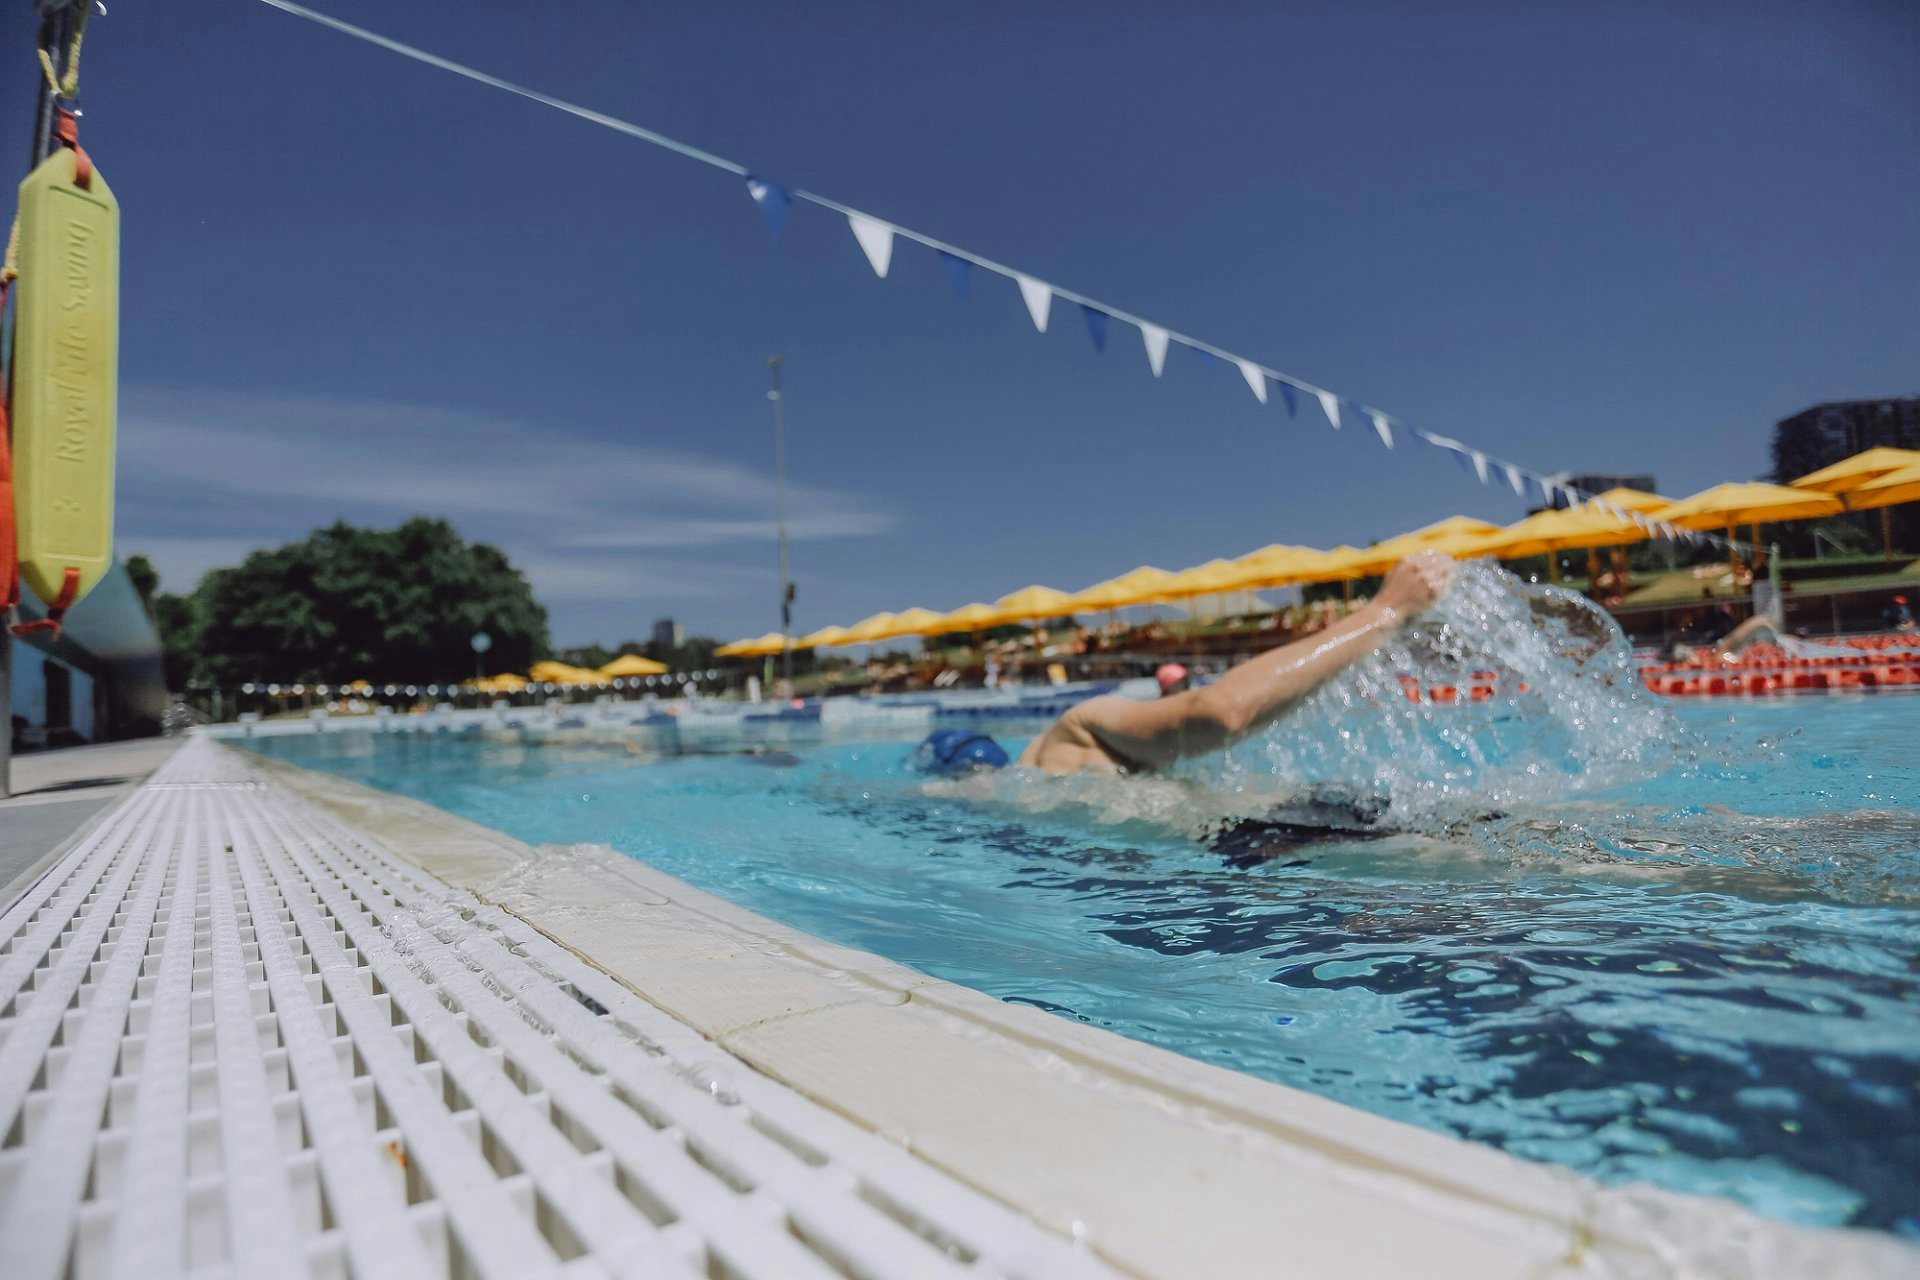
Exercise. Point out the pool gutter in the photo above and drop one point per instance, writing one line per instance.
(1160, 1165)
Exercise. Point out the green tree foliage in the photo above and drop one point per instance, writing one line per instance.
(348, 603)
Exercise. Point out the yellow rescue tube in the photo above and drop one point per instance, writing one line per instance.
(65, 376)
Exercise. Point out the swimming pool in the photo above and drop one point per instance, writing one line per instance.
(1689, 956)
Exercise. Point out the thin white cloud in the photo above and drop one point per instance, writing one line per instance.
(209, 476)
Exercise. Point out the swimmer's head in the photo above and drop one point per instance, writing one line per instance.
(957, 751)
(1173, 678)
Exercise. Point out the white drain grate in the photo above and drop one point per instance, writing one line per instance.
(236, 1039)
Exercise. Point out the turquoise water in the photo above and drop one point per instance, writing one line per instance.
(1693, 958)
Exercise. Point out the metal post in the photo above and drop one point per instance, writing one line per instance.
(1773, 580)
(56, 37)
(780, 510)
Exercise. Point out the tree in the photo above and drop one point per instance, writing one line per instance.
(348, 603)
(175, 618)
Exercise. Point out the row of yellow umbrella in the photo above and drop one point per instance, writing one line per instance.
(551, 672)
(1880, 477)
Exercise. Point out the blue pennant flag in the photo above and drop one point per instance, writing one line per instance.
(959, 270)
(773, 200)
(1465, 460)
(1207, 358)
(1096, 325)
(1292, 398)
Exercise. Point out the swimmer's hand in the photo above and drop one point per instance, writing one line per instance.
(1416, 584)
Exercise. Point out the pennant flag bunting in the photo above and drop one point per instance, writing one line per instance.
(1292, 397)
(1381, 425)
(1515, 481)
(774, 201)
(1330, 405)
(1096, 325)
(876, 238)
(1207, 358)
(959, 270)
(1480, 466)
(1038, 297)
(1154, 338)
(1255, 379)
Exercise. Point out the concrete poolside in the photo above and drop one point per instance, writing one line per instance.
(260, 1021)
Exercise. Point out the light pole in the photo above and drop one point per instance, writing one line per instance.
(780, 513)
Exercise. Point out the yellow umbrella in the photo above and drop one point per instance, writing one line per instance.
(1848, 474)
(1206, 579)
(1889, 490)
(868, 630)
(1138, 586)
(1634, 500)
(1338, 563)
(551, 672)
(1275, 566)
(1456, 535)
(824, 638)
(1853, 479)
(632, 664)
(772, 642)
(1029, 603)
(914, 622)
(968, 617)
(1726, 505)
(505, 682)
(1557, 529)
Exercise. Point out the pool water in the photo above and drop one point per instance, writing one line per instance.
(1702, 970)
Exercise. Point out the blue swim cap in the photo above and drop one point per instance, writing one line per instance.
(957, 751)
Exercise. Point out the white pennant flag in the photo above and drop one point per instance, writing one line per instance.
(1516, 481)
(1155, 339)
(1256, 378)
(1039, 298)
(1480, 465)
(1381, 425)
(1330, 405)
(876, 238)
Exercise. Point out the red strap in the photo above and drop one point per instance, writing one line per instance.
(69, 590)
(66, 128)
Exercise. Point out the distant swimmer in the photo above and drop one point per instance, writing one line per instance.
(1117, 734)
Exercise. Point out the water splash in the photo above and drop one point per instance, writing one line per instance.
(1523, 693)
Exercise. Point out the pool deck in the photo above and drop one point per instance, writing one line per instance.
(261, 1021)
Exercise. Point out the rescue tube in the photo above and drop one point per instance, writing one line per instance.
(65, 377)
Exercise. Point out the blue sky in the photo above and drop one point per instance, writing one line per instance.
(1598, 236)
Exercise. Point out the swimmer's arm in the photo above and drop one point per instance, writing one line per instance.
(1259, 691)
(1243, 701)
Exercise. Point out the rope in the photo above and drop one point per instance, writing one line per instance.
(67, 86)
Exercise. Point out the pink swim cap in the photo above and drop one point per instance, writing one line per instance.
(1169, 675)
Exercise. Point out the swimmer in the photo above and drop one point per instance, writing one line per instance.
(1115, 734)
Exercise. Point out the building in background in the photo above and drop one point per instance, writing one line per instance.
(100, 680)
(667, 635)
(1826, 433)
